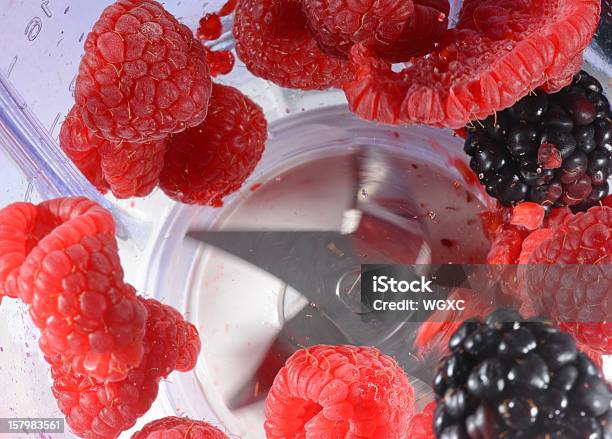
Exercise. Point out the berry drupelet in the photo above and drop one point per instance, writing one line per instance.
(515, 379)
(554, 149)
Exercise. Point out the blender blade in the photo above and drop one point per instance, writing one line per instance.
(309, 327)
(381, 226)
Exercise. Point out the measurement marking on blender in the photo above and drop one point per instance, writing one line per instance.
(35, 25)
(12, 66)
(54, 123)
(72, 85)
(33, 28)
(45, 7)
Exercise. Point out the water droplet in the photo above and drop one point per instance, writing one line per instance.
(364, 192)
(441, 17)
(431, 214)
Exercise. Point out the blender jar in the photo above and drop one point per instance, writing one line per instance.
(303, 182)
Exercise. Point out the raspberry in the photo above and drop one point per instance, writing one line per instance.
(143, 74)
(81, 146)
(210, 27)
(421, 424)
(90, 165)
(571, 283)
(595, 356)
(508, 19)
(582, 239)
(18, 235)
(395, 30)
(103, 410)
(339, 25)
(132, 169)
(435, 332)
(182, 336)
(339, 392)
(532, 242)
(549, 156)
(173, 427)
(424, 30)
(527, 215)
(61, 258)
(476, 70)
(221, 62)
(563, 74)
(506, 245)
(128, 169)
(210, 161)
(274, 42)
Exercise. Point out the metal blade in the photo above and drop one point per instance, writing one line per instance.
(306, 260)
(308, 328)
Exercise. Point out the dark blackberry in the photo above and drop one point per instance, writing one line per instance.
(522, 379)
(505, 148)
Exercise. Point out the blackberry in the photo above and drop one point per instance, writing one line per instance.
(511, 378)
(507, 150)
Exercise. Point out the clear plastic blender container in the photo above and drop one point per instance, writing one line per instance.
(299, 184)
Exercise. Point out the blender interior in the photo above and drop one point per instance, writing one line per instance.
(304, 182)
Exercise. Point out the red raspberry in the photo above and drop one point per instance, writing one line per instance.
(595, 356)
(563, 74)
(103, 410)
(274, 42)
(339, 392)
(533, 241)
(64, 263)
(436, 331)
(129, 169)
(549, 156)
(502, 19)
(572, 282)
(210, 27)
(221, 62)
(175, 428)
(395, 30)
(132, 169)
(81, 146)
(506, 245)
(339, 25)
(143, 74)
(18, 235)
(528, 215)
(493, 59)
(90, 165)
(181, 341)
(584, 238)
(513, 244)
(208, 162)
(421, 424)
